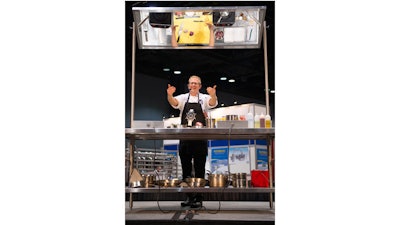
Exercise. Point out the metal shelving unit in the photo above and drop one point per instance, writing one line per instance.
(147, 160)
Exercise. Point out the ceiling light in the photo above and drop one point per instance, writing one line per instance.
(235, 102)
(166, 69)
(272, 91)
(231, 80)
(177, 72)
(223, 78)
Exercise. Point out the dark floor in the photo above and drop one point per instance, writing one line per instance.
(219, 222)
(212, 212)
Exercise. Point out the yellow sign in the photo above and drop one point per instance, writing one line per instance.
(192, 29)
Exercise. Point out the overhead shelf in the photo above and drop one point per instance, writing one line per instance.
(233, 27)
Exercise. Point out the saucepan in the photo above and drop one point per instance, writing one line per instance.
(217, 180)
(239, 180)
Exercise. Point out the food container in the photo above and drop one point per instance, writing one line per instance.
(217, 180)
(259, 178)
(195, 182)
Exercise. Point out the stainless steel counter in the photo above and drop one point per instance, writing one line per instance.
(199, 133)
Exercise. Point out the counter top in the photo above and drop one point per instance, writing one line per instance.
(199, 133)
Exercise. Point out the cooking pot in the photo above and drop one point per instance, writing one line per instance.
(239, 180)
(195, 182)
(147, 180)
(169, 182)
(217, 180)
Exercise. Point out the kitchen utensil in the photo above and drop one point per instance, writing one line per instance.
(180, 31)
(222, 14)
(217, 180)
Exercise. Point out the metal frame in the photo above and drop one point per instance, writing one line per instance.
(203, 133)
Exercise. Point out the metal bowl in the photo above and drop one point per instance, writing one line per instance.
(169, 182)
(195, 182)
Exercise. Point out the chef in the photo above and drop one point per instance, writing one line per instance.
(193, 107)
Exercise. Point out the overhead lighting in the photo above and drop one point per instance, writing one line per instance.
(235, 102)
(231, 80)
(223, 78)
(272, 91)
(166, 69)
(222, 104)
(177, 72)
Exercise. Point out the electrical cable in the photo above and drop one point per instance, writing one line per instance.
(229, 174)
(158, 178)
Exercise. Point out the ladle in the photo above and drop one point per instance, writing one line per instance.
(222, 14)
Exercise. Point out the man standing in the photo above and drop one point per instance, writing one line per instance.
(193, 106)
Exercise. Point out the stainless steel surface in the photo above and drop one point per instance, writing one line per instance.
(199, 133)
(199, 190)
(233, 124)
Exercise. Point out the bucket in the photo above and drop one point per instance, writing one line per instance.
(259, 178)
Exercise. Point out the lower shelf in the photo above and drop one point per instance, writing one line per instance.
(199, 190)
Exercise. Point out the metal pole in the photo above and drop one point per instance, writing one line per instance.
(133, 73)
(266, 69)
(270, 171)
(131, 144)
(268, 112)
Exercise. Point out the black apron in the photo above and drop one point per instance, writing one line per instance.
(192, 110)
(196, 149)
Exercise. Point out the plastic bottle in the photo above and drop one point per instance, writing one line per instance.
(257, 121)
(268, 121)
(262, 121)
(250, 120)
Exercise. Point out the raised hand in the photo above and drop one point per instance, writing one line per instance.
(212, 90)
(171, 90)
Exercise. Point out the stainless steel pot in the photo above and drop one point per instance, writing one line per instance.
(147, 180)
(217, 180)
(169, 183)
(195, 182)
(239, 180)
